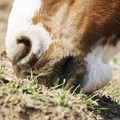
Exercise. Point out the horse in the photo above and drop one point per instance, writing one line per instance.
(71, 40)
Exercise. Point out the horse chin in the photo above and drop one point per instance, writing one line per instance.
(61, 72)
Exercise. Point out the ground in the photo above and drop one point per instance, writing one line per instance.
(25, 100)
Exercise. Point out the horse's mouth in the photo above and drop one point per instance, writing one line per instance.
(25, 68)
(51, 76)
(61, 69)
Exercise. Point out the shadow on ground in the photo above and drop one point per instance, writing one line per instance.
(111, 108)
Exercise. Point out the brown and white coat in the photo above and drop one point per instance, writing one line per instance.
(78, 37)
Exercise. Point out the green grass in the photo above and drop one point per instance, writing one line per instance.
(116, 61)
(30, 88)
(64, 98)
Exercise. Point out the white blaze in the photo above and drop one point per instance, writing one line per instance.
(20, 24)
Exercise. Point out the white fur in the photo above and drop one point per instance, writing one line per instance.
(99, 73)
(20, 24)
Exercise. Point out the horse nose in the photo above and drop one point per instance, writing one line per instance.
(24, 68)
(24, 48)
(25, 59)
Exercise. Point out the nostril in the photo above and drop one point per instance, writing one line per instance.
(24, 40)
(24, 45)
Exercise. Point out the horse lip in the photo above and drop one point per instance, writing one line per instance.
(20, 69)
(16, 71)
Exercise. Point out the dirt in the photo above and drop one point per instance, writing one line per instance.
(17, 106)
(20, 100)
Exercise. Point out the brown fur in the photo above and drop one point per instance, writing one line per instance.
(76, 26)
(82, 25)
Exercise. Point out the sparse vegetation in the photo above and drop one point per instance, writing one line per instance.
(40, 101)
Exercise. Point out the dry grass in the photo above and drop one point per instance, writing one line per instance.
(24, 99)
